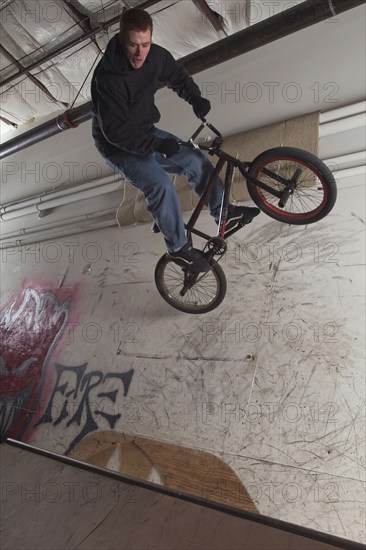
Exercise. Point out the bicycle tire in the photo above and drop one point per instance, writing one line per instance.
(204, 296)
(313, 198)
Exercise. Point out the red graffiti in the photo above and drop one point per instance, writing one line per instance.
(30, 330)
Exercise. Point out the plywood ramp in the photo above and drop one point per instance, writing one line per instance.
(190, 471)
(53, 504)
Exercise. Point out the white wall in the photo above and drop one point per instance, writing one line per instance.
(272, 382)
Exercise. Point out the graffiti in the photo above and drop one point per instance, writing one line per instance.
(81, 398)
(31, 327)
(30, 330)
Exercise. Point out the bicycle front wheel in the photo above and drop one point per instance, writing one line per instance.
(315, 192)
(205, 294)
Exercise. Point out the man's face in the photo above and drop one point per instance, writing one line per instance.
(137, 46)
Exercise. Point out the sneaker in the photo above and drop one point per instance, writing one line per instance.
(191, 258)
(238, 216)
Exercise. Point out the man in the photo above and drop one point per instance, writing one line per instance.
(124, 117)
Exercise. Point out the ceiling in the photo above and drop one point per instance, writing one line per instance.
(49, 48)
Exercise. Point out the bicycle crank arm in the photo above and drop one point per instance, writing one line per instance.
(189, 281)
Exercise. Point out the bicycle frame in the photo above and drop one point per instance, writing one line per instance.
(303, 190)
(231, 164)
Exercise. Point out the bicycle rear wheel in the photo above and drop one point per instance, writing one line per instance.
(205, 294)
(315, 192)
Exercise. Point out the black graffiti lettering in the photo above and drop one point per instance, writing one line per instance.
(111, 418)
(86, 387)
(61, 389)
(64, 414)
(89, 426)
(111, 395)
(126, 378)
(73, 383)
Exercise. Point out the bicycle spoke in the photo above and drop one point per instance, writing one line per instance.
(203, 292)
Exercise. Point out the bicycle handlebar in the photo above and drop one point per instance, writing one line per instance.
(210, 126)
(216, 142)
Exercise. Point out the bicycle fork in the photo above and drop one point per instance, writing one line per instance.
(289, 185)
(229, 176)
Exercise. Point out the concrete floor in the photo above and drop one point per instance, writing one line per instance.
(272, 382)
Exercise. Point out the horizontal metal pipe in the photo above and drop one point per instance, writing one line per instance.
(348, 161)
(58, 224)
(282, 24)
(40, 236)
(46, 130)
(18, 205)
(273, 28)
(342, 125)
(40, 206)
(342, 112)
(351, 171)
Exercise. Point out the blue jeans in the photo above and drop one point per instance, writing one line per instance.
(149, 174)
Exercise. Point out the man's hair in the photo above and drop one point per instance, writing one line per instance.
(134, 19)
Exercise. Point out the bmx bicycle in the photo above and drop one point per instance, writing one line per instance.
(291, 185)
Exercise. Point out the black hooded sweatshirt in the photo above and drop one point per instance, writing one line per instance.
(124, 112)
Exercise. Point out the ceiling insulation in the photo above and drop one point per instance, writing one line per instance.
(35, 83)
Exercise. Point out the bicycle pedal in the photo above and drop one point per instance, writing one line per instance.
(155, 228)
(243, 223)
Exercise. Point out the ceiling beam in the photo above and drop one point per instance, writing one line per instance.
(72, 43)
(80, 19)
(8, 122)
(213, 17)
(35, 80)
(282, 24)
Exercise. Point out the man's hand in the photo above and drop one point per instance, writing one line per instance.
(166, 146)
(201, 106)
